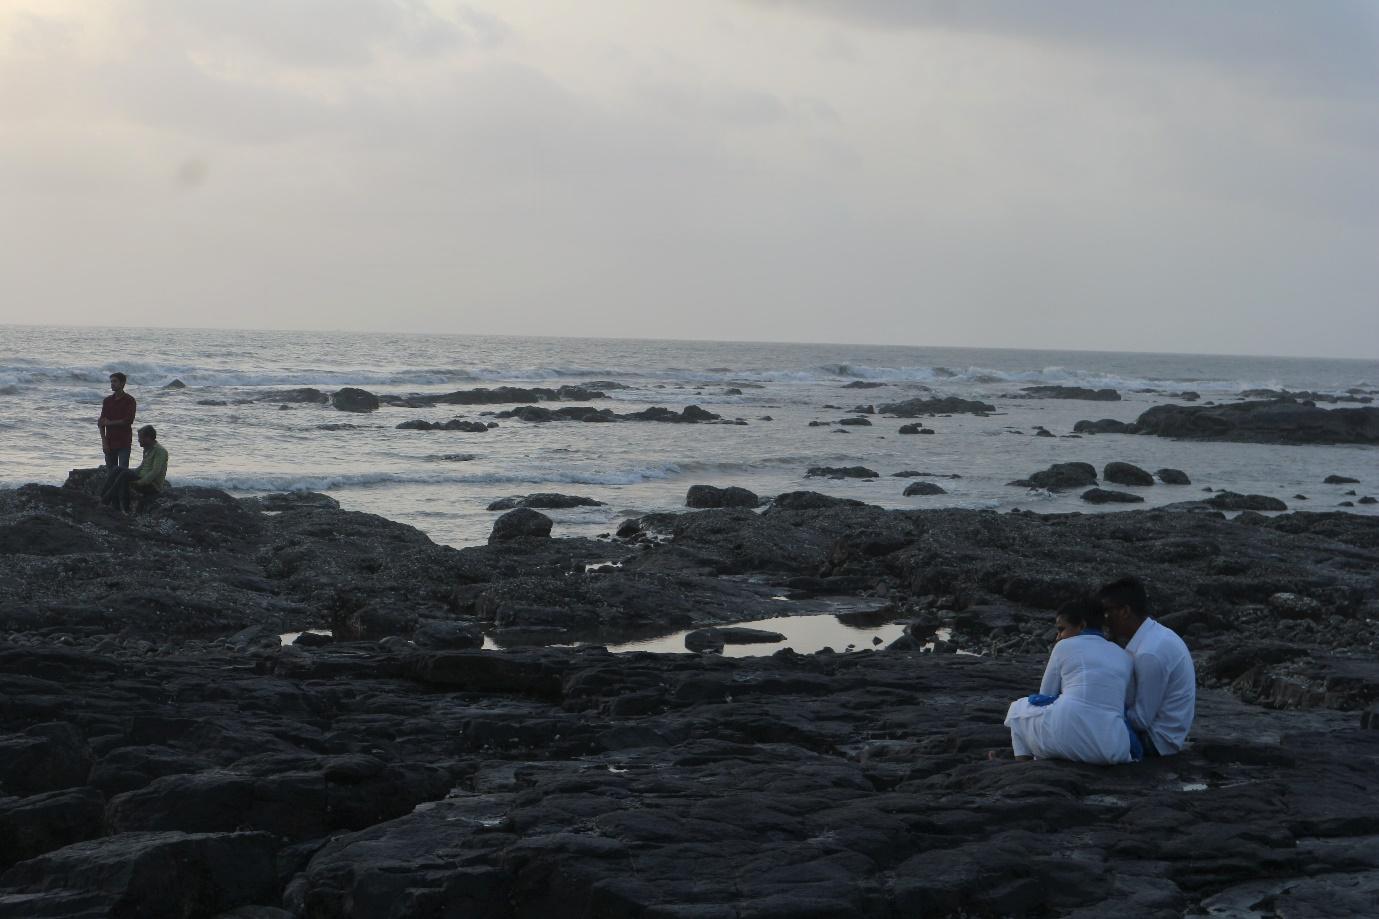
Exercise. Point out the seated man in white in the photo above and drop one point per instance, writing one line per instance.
(1165, 691)
(1079, 712)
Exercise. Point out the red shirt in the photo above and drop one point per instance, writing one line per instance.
(118, 406)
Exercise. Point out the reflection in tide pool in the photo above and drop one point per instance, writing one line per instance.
(803, 634)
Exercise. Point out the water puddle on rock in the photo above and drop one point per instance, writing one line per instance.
(803, 635)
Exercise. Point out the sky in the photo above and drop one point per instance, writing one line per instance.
(1177, 176)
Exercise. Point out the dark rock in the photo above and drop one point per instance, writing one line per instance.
(924, 488)
(522, 523)
(1275, 421)
(176, 384)
(915, 408)
(864, 409)
(300, 394)
(909, 429)
(1367, 499)
(1126, 474)
(1106, 496)
(45, 757)
(1106, 426)
(350, 399)
(1232, 501)
(841, 472)
(44, 822)
(856, 422)
(169, 874)
(811, 500)
(445, 636)
(703, 496)
(1072, 392)
(544, 501)
(1340, 480)
(1042, 432)
(863, 384)
(1060, 476)
(280, 501)
(1173, 477)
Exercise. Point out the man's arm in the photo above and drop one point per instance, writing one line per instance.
(1151, 682)
(122, 422)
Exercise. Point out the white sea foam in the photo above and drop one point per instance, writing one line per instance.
(330, 481)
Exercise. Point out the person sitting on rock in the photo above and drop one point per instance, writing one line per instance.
(148, 479)
(1079, 712)
(1165, 691)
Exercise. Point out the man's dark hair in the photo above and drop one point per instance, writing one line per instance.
(1126, 591)
(119, 376)
(1086, 612)
(150, 431)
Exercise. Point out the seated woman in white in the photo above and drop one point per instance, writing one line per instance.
(1079, 713)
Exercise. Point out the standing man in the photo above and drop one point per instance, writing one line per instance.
(149, 478)
(1165, 679)
(117, 426)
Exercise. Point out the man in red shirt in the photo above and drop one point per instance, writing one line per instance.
(117, 425)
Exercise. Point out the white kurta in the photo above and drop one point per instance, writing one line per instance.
(1165, 686)
(1086, 723)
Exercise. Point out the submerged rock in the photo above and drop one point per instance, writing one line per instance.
(1173, 477)
(350, 399)
(1126, 474)
(703, 496)
(545, 501)
(841, 472)
(914, 408)
(1106, 426)
(1107, 496)
(521, 523)
(1232, 501)
(1275, 421)
(1071, 392)
(924, 488)
(1060, 476)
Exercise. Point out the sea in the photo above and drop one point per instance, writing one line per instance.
(222, 432)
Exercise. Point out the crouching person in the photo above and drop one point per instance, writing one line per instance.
(145, 481)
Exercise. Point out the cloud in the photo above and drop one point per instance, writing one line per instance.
(1309, 47)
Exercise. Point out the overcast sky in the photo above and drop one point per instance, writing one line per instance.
(1169, 176)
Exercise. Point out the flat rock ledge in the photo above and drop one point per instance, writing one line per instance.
(163, 754)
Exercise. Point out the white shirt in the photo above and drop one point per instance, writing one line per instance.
(1091, 677)
(1165, 686)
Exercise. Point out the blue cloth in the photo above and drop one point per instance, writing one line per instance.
(1041, 700)
(1136, 748)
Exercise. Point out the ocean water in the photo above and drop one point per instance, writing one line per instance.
(53, 379)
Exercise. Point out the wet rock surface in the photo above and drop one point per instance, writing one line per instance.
(1274, 421)
(1082, 393)
(157, 757)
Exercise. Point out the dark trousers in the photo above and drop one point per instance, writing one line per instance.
(116, 461)
(117, 486)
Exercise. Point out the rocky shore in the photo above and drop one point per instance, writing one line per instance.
(162, 753)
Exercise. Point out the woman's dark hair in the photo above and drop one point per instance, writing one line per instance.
(1086, 612)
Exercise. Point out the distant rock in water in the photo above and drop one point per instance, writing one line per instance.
(1277, 421)
(522, 523)
(1340, 480)
(545, 501)
(1173, 477)
(1107, 496)
(855, 422)
(841, 472)
(350, 399)
(507, 394)
(454, 424)
(949, 405)
(1232, 501)
(1126, 474)
(811, 500)
(176, 384)
(300, 394)
(1060, 476)
(1106, 426)
(914, 429)
(924, 488)
(691, 414)
(1369, 499)
(1350, 395)
(1071, 392)
(705, 496)
(863, 384)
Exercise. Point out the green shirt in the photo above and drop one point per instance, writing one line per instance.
(153, 471)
